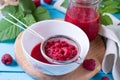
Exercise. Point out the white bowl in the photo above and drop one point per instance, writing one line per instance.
(48, 28)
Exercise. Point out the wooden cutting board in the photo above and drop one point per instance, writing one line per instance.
(97, 50)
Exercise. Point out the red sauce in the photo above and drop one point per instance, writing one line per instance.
(60, 50)
(85, 18)
(36, 54)
(57, 50)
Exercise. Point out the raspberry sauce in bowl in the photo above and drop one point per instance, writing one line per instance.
(36, 54)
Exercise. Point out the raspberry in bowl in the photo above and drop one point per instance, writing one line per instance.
(60, 49)
(31, 45)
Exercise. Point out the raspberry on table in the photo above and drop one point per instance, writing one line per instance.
(7, 59)
(89, 64)
(105, 78)
(48, 1)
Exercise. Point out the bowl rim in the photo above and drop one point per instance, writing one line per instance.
(26, 53)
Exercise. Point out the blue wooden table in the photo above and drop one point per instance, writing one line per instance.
(14, 71)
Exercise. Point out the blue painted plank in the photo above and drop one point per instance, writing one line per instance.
(53, 12)
(15, 76)
(101, 74)
(117, 15)
(8, 47)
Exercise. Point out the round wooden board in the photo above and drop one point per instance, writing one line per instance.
(97, 50)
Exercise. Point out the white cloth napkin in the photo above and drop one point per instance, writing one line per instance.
(111, 60)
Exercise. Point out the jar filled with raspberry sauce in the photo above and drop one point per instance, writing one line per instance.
(84, 14)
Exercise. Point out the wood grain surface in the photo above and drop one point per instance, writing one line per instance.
(97, 50)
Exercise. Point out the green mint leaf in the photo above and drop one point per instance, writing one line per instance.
(9, 9)
(14, 10)
(110, 3)
(9, 32)
(65, 3)
(3, 24)
(22, 11)
(105, 20)
(41, 13)
(108, 6)
(28, 19)
(111, 7)
(27, 6)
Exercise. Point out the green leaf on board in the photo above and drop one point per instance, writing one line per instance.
(109, 7)
(41, 14)
(4, 24)
(9, 9)
(27, 6)
(10, 32)
(28, 19)
(24, 12)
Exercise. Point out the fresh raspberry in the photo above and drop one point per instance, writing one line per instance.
(89, 64)
(105, 78)
(60, 50)
(37, 2)
(48, 1)
(7, 59)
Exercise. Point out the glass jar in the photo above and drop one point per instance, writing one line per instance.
(84, 14)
